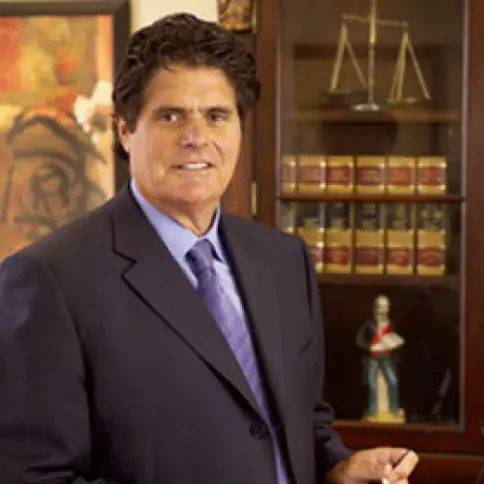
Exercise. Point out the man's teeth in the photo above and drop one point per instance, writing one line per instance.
(194, 166)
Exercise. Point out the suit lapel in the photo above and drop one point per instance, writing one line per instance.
(159, 281)
(257, 290)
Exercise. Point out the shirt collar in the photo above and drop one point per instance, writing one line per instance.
(178, 239)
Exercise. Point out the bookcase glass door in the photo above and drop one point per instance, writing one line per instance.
(370, 175)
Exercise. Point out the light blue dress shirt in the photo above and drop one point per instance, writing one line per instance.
(179, 240)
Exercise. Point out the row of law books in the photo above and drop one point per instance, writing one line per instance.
(372, 238)
(306, 173)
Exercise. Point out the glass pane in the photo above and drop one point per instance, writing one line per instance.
(371, 177)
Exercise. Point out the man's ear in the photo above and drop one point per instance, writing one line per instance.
(123, 132)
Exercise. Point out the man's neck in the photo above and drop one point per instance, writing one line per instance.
(198, 223)
(197, 218)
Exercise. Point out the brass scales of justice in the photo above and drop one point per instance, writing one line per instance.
(395, 96)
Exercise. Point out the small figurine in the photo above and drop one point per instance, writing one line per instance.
(379, 340)
(237, 15)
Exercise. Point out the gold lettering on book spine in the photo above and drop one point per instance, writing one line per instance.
(401, 174)
(311, 173)
(432, 174)
(313, 235)
(370, 174)
(400, 239)
(340, 174)
(339, 238)
(431, 240)
(369, 239)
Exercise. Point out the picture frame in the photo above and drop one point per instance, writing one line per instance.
(56, 133)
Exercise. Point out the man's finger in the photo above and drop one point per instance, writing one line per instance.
(367, 466)
(404, 468)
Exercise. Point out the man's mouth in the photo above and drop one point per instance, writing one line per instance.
(193, 166)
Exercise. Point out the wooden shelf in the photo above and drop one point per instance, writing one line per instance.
(360, 425)
(399, 115)
(450, 281)
(376, 198)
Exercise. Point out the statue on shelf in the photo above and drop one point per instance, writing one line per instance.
(379, 340)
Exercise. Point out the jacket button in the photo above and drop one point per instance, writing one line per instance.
(259, 430)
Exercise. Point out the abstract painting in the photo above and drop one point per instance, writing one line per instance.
(56, 158)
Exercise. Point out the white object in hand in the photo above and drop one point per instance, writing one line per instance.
(388, 342)
(392, 340)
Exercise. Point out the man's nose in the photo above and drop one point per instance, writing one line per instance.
(195, 135)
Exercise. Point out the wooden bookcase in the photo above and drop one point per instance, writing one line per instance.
(441, 317)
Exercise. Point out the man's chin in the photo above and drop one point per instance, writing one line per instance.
(195, 202)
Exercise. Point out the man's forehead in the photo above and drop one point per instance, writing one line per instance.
(182, 79)
(189, 101)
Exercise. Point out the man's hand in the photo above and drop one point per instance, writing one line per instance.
(373, 465)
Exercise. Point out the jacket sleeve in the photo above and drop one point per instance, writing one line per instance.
(329, 449)
(44, 415)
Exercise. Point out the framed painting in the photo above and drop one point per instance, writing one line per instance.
(56, 161)
(237, 15)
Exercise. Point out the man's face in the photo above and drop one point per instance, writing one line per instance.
(185, 147)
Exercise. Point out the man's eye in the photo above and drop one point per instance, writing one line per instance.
(170, 117)
(218, 117)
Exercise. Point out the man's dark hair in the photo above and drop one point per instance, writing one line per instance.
(181, 39)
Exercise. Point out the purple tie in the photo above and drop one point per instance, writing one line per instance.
(233, 326)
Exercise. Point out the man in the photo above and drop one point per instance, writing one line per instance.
(157, 340)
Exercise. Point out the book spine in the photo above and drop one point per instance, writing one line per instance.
(311, 173)
(369, 238)
(311, 228)
(288, 174)
(431, 239)
(401, 174)
(339, 238)
(370, 174)
(340, 174)
(400, 232)
(432, 174)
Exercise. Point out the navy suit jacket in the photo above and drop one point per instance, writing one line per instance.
(113, 371)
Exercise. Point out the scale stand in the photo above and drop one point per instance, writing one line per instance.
(368, 84)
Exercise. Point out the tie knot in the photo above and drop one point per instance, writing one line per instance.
(200, 256)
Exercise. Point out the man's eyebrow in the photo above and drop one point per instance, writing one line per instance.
(218, 107)
(162, 109)
(226, 112)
